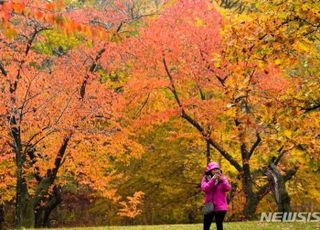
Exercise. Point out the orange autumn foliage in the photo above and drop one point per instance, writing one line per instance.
(57, 110)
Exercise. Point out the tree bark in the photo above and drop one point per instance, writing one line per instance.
(55, 201)
(42, 205)
(251, 198)
(278, 188)
(42, 213)
(22, 196)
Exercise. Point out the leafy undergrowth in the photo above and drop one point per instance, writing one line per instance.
(227, 226)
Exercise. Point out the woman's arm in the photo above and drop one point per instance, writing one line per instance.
(207, 185)
(225, 184)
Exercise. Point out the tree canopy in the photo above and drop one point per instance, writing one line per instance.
(123, 103)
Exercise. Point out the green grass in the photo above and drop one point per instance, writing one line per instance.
(227, 226)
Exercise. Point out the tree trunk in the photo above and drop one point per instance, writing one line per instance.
(40, 201)
(24, 213)
(251, 198)
(278, 188)
(43, 205)
(281, 195)
(22, 196)
(250, 206)
(42, 214)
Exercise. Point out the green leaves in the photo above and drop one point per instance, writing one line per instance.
(56, 42)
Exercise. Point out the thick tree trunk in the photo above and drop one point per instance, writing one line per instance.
(43, 205)
(281, 195)
(31, 212)
(278, 188)
(22, 197)
(42, 214)
(251, 198)
(250, 206)
(24, 214)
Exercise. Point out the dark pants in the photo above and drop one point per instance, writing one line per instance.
(219, 216)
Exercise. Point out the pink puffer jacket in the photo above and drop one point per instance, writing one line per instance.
(215, 192)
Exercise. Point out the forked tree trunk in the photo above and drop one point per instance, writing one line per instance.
(278, 188)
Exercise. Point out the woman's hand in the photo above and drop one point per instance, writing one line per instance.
(219, 176)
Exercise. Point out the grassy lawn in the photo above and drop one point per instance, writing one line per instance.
(227, 226)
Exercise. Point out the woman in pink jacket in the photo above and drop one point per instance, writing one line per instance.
(215, 185)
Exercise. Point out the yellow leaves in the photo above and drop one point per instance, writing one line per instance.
(216, 58)
(10, 32)
(305, 6)
(111, 194)
(123, 147)
(170, 3)
(231, 111)
(302, 45)
(199, 22)
(130, 208)
(278, 61)
(52, 39)
(300, 187)
(288, 133)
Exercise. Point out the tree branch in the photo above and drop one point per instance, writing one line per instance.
(53, 172)
(311, 108)
(290, 173)
(281, 152)
(173, 88)
(3, 70)
(92, 69)
(31, 153)
(195, 124)
(255, 145)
